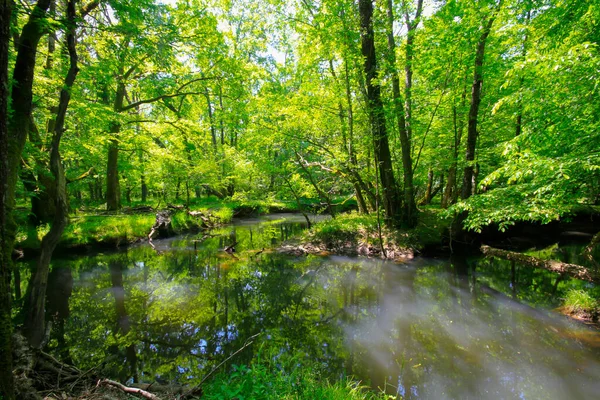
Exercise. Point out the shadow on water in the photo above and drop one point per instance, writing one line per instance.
(457, 328)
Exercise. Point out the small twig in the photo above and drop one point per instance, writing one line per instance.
(81, 376)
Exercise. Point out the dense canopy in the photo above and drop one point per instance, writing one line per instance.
(488, 108)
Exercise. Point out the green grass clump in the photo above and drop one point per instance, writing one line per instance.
(107, 229)
(224, 214)
(579, 301)
(273, 378)
(352, 227)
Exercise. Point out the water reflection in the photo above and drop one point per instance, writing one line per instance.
(427, 329)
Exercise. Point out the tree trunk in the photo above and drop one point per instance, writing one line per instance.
(42, 187)
(403, 116)
(51, 38)
(448, 190)
(221, 125)
(211, 119)
(472, 133)
(35, 302)
(429, 188)
(13, 144)
(113, 191)
(450, 193)
(391, 198)
(6, 376)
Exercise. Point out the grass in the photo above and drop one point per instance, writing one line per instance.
(276, 378)
(580, 302)
(358, 228)
(90, 228)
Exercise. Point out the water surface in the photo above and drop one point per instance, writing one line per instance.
(431, 329)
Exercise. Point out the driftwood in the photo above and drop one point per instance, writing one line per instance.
(162, 226)
(127, 389)
(230, 249)
(573, 270)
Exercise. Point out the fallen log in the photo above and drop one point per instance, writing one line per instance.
(573, 270)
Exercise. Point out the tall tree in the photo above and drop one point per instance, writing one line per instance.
(6, 376)
(391, 198)
(36, 299)
(404, 111)
(472, 132)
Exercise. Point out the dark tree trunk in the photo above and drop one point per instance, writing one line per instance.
(18, 129)
(222, 127)
(403, 116)
(429, 188)
(391, 198)
(211, 119)
(472, 132)
(451, 192)
(35, 302)
(144, 188)
(51, 38)
(42, 187)
(6, 376)
(113, 191)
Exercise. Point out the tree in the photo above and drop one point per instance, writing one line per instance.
(404, 111)
(472, 133)
(36, 297)
(381, 149)
(6, 376)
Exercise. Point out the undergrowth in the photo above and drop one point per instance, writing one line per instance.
(578, 301)
(363, 229)
(274, 377)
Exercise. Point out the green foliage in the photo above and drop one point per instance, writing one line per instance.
(352, 226)
(284, 376)
(355, 229)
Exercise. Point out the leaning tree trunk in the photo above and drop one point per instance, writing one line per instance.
(6, 376)
(391, 198)
(35, 302)
(18, 128)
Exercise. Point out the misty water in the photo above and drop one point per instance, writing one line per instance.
(424, 329)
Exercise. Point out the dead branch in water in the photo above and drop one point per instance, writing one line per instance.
(573, 270)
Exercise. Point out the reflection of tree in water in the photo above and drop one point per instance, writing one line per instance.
(60, 287)
(424, 330)
(178, 314)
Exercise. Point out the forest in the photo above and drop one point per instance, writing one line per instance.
(395, 129)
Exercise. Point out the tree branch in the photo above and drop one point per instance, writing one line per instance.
(82, 176)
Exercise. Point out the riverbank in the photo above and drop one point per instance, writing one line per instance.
(97, 229)
(355, 234)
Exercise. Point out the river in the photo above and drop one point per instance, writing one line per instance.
(425, 329)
